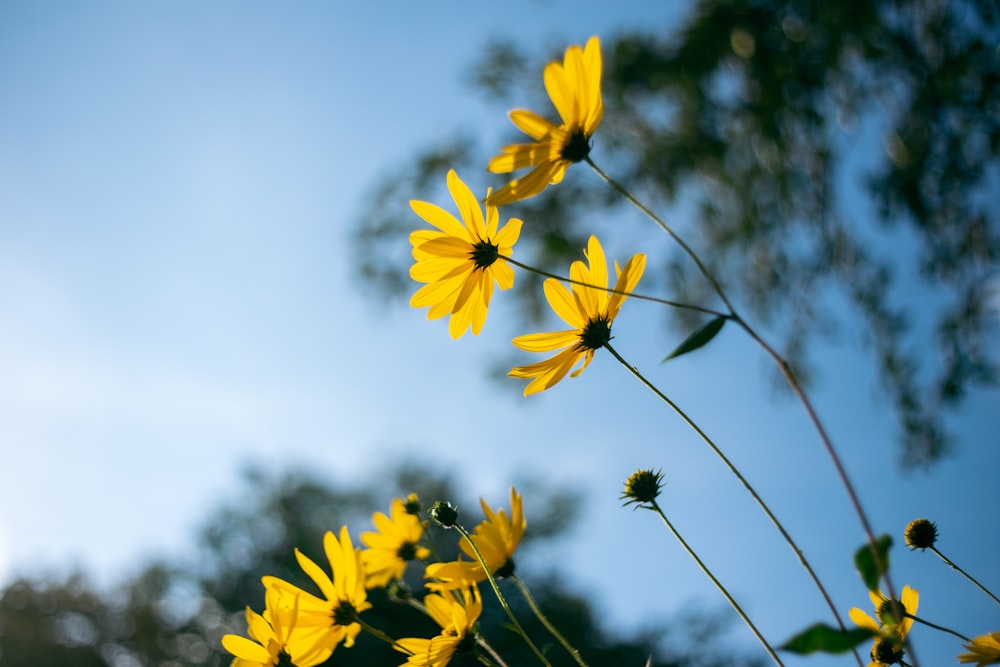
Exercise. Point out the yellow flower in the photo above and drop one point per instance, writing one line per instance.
(395, 543)
(345, 595)
(277, 640)
(574, 86)
(497, 538)
(889, 644)
(456, 618)
(589, 310)
(985, 650)
(461, 261)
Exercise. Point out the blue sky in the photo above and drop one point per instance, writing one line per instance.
(177, 184)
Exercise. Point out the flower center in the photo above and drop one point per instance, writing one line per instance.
(407, 551)
(577, 146)
(345, 613)
(484, 254)
(505, 570)
(885, 653)
(597, 333)
(284, 660)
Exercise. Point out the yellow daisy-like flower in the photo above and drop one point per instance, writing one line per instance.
(461, 261)
(457, 619)
(276, 639)
(574, 86)
(346, 597)
(888, 645)
(589, 310)
(985, 650)
(497, 538)
(393, 546)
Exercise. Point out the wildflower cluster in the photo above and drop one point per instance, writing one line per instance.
(459, 263)
(302, 629)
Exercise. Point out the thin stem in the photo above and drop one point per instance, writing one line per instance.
(964, 573)
(739, 610)
(937, 627)
(485, 645)
(733, 469)
(496, 590)
(785, 369)
(611, 290)
(384, 637)
(545, 621)
(620, 189)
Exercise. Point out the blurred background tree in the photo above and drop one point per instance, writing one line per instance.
(820, 157)
(174, 614)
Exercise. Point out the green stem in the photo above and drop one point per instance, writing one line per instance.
(496, 590)
(620, 189)
(545, 621)
(384, 637)
(746, 484)
(785, 369)
(937, 627)
(485, 645)
(611, 290)
(704, 568)
(964, 573)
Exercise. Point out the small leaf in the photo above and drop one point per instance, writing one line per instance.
(822, 637)
(870, 568)
(698, 338)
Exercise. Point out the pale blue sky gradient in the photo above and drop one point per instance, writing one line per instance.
(177, 183)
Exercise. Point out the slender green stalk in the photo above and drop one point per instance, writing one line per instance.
(611, 290)
(749, 487)
(937, 627)
(496, 590)
(782, 364)
(654, 506)
(381, 635)
(963, 573)
(485, 645)
(545, 621)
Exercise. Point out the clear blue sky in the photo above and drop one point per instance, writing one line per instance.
(177, 182)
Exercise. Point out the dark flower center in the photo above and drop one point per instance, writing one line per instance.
(407, 551)
(484, 254)
(345, 613)
(577, 147)
(885, 652)
(467, 643)
(596, 334)
(284, 660)
(505, 570)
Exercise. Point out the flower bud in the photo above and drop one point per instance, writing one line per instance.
(643, 486)
(920, 534)
(444, 514)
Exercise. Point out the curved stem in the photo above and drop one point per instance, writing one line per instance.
(611, 290)
(722, 589)
(545, 621)
(485, 645)
(937, 627)
(620, 189)
(496, 590)
(733, 469)
(964, 573)
(384, 637)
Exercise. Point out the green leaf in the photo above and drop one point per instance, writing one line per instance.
(698, 338)
(870, 568)
(822, 637)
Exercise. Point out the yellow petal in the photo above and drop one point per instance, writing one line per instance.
(546, 342)
(440, 218)
(564, 304)
(468, 206)
(535, 126)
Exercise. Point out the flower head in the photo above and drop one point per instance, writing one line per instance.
(460, 262)
(920, 534)
(496, 538)
(642, 486)
(345, 595)
(574, 86)
(984, 650)
(895, 624)
(457, 618)
(395, 544)
(276, 640)
(589, 310)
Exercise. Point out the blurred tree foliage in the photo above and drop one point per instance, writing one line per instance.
(175, 614)
(817, 155)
